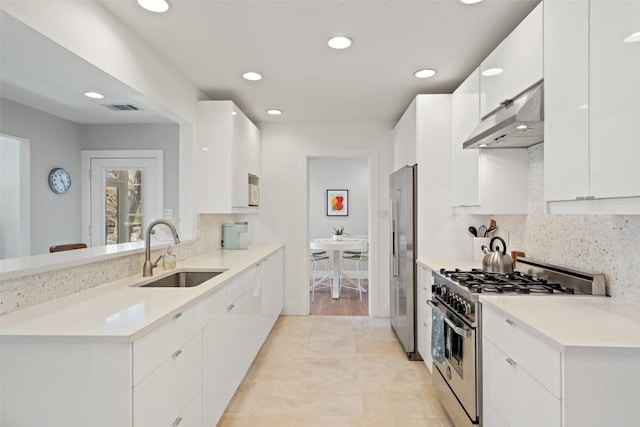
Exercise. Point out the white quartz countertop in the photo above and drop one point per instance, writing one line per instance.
(573, 322)
(449, 264)
(124, 311)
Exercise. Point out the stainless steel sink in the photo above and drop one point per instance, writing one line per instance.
(183, 279)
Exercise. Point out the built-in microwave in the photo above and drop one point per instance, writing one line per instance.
(254, 195)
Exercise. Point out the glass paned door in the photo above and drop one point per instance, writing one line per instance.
(124, 206)
(125, 196)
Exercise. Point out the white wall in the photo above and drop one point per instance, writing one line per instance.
(338, 174)
(55, 142)
(80, 26)
(283, 216)
(141, 137)
(14, 208)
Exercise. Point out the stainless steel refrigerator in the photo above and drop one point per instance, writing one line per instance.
(403, 205)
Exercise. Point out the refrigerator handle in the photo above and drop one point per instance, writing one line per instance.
(394, 246)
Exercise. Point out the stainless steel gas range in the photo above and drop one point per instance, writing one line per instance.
(457, 325)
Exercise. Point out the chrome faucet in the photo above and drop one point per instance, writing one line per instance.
(147, 268)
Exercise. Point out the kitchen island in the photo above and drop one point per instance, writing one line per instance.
(126, 355)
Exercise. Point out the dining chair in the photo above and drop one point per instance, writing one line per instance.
(319, 271)
(356, 258)
(66, 247)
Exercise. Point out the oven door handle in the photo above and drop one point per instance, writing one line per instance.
(457, 329)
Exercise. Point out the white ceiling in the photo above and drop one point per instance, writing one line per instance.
(38, 73)
(212, 42)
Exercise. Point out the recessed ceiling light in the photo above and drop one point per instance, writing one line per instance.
(490, 72)
(157, 6)
(274, 112)
(425, 73)
(583, 107)
(522, 127)
(94, 95)
(483, 145)
(233, 113)
(252, 75)
(470, 1)
(205, 148)
(633, 38)
(339, 42)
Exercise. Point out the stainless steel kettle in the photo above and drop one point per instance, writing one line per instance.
(495, 259)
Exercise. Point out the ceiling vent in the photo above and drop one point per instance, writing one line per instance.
(122, 107)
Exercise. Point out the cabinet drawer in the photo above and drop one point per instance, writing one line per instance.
(165, 394)
(192, 416)
(513, 397)
(158, 345)
(535, 357)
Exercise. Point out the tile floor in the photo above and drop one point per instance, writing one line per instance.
(334, 371)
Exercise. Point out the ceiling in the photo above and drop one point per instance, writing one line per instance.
(212, 42)
(38, 73)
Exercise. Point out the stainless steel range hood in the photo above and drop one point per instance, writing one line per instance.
(516, 124)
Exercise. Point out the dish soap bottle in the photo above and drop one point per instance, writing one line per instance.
(169, 260)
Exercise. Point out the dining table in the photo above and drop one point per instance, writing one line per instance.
(336, 246)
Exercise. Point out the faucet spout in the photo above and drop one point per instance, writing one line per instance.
(147, 268)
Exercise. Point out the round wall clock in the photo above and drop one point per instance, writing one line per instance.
(59, 180)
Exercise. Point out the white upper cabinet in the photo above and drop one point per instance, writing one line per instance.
(591, 106)
(566, 84)
(465, 116)
(228, 158)
(615, 98)
(405, 139)
(492, 181)
(519, 60)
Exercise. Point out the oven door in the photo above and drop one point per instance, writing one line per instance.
(458, 368)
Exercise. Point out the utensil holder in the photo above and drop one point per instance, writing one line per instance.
(477, 247)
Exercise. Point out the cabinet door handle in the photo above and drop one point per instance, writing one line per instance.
(511, 362)
(177, 421)
(511, 322)
(177, 353)
(230, 307)
(177, 315)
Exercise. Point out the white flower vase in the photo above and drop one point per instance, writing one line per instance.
(337, 237)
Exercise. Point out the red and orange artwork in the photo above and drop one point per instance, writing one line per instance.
(337, 202)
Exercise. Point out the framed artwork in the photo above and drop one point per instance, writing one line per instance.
(337, 202)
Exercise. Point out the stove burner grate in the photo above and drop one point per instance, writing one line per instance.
(478, 281)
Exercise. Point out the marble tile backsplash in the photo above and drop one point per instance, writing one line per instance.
(608, 244)
(26, 291)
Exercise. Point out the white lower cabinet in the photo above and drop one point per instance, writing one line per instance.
(423, 327)
(238, 327)
(182, 373)
(530, 383)
(521, 376)
(515, 397)
(161, 398)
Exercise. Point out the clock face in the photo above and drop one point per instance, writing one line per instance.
(59, 180)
